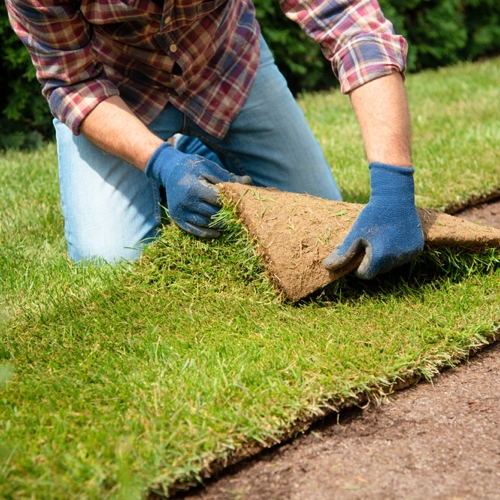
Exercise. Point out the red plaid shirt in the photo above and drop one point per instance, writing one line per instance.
(200, 55)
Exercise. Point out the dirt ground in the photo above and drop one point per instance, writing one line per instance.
(431, 441)
(486, 213)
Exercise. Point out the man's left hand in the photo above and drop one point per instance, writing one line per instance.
(388, 229)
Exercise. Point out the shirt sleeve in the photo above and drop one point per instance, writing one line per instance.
(60, 44)
(354, 36)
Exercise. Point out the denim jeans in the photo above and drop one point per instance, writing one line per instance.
(111, 209)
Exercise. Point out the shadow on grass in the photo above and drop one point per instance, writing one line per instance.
(434, 267)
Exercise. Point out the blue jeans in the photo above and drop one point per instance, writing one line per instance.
(111, 209)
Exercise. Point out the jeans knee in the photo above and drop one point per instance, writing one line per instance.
(107, 248)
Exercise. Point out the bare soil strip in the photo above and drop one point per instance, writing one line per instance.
(485, 213)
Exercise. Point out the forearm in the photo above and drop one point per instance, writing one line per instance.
(115, 129)
(382, 111)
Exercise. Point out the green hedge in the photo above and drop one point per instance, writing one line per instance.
(24, 117)
(440, 32)
(443, 32)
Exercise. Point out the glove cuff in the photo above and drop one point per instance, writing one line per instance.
(161, 162)
(391, 181)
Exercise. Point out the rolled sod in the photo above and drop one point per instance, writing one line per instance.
(295, 232)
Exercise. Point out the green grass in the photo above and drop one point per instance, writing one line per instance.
(114, 379)
(456, 133)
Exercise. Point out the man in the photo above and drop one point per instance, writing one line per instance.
(123, 76)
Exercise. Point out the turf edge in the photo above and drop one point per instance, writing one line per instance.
(451, 261)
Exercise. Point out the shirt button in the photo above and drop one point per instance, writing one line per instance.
(168, 19)
(173, 48)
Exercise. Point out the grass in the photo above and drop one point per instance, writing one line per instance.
(455, 135)
(117, 379)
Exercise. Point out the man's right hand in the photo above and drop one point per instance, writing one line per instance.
(190, 182)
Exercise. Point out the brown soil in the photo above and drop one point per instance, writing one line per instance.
(294, 234)
(431, 441)
(486, 214)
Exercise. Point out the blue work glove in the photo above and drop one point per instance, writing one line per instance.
(190, 183)
(388, 229)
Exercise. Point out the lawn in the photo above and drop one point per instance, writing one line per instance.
(118, 380)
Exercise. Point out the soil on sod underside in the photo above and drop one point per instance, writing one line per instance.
(294, 233)
(439, 440)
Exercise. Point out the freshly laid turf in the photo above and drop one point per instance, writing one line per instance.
(117, 379)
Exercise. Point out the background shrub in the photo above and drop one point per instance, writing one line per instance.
(24, 117)
(482, 20)
(439, 32)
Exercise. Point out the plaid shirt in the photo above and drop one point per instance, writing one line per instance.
(200, 55)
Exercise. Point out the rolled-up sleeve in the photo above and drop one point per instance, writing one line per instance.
(60, 44)
(354, 35)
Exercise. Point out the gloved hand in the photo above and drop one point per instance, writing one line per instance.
(190, 182)
(388, 228)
